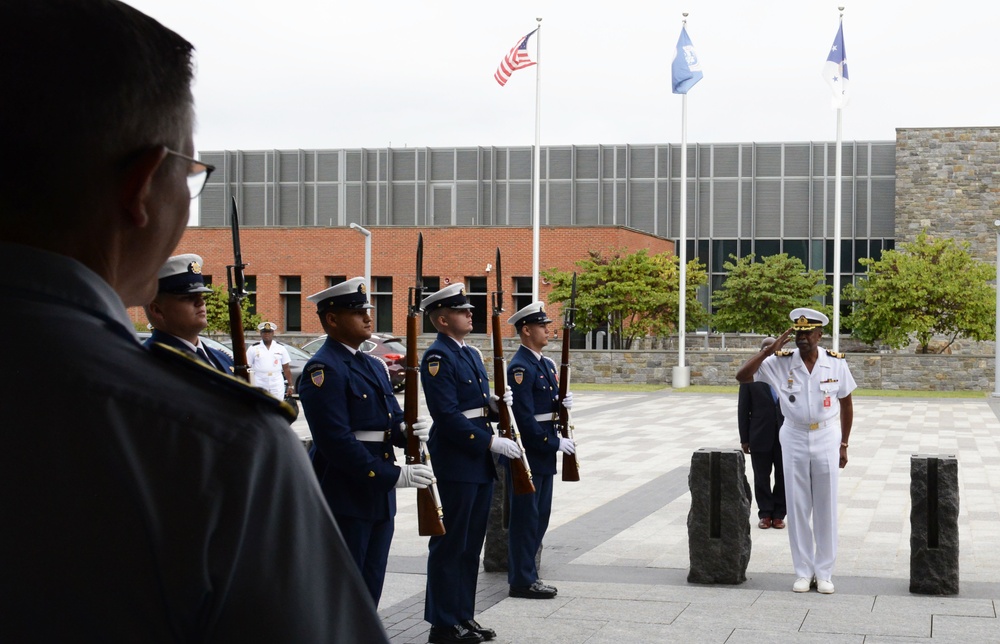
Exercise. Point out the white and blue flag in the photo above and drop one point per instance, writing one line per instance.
(835, 71)
(686, 68)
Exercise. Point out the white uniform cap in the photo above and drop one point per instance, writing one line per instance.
(450, 297)
(346, 295)
(181, 274)
(807, 319)
(267, 326)
(534, 313)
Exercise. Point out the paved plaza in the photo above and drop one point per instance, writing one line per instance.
(617, 544)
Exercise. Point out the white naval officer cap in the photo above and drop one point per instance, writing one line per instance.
(534, 313)
(346, 295)
(450, 297)
(807, 319)
(267, 326)
(181, 274)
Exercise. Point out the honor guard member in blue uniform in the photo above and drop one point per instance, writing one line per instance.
(758, 417)
(814, 389)
(167, 501)
(457, 390)
(532, 378)
(355, 421)
(178, 313)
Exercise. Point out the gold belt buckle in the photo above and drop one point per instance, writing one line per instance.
(813, 425)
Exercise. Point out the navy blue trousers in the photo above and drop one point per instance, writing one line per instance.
(529, 519)
(453, 558)
(369, 543)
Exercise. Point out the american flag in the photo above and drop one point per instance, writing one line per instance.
(516, 59)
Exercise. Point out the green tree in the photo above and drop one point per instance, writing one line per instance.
(635, 294)
(217, 303)
(757, 296)
(925, 288)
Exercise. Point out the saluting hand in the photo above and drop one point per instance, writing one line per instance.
(782, 339)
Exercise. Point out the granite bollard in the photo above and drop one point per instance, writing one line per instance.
(934, 524)
(719, 519)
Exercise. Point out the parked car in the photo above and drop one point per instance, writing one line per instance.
(388, 348)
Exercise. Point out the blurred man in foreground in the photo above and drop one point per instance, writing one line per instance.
(152, 499)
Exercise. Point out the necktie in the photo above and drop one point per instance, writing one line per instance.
(204, 356)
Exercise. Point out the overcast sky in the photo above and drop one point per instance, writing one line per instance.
(286, 74)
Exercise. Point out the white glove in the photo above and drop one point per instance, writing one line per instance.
(508, 399)
(416, 475)
(421, 428)
(505, 447)
(567, 446)
(568, 402)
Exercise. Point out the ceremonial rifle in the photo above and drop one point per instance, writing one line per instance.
(237, 292)
(570, 469)
(430, 516)
(519, 468)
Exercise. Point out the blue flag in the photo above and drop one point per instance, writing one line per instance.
(835, 71)
(686, 68)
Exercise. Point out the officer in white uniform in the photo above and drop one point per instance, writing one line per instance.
(268, 361)
(814, 387)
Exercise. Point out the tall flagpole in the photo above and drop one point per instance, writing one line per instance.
(681, 374)
(536, 165)
(837, 207)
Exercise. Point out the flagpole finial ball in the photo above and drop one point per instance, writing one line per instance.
(840, 8)
(685, 14)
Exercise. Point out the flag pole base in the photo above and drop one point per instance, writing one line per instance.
(682, 377)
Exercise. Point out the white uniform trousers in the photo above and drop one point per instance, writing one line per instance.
(812, 471)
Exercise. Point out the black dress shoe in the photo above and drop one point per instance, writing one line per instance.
(536, 590)
(457, 634)
(486, 633)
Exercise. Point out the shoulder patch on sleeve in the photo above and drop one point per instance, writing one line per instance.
(220, 379)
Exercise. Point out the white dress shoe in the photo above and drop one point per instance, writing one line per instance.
(824, 586)
(801, 585)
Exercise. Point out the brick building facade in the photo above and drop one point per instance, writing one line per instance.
(287, 264)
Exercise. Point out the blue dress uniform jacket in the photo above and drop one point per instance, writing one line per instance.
(343, 393)
(533, 382)
(218, 359)
(454, 380)
(535, 389)
(167, 502)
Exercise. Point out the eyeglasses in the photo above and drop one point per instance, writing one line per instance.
(198, 173)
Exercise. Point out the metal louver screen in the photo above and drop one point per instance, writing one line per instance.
(587, 205)
(767, 209)
(288, 206)
(558, 203)
(643, 162)
(768, 161)
(467, 162)
(560, 163)
(467, 204)
(442, 165)
(520, 164)
(327, 166)
(883, 206)
(253, 166)
(726, 161)
(641, 205)
(586, 163)
(724, 214)
(404, 165)
(797, 160)
(796, 208)
(520, 204)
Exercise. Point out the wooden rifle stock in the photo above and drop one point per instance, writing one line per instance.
(519, 468)
(570, 466)
(430, 515)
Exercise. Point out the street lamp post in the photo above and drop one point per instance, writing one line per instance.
(996, 329)
(368, 255)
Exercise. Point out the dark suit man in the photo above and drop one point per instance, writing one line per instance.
(355, 421)
(178, 313)
(759, 421)
(457, 390)
(532, 379)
